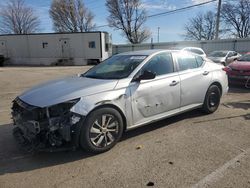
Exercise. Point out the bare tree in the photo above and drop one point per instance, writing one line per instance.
(128, 16)
(17, 18)
(201, 27)
(236, 16)
(71, 16)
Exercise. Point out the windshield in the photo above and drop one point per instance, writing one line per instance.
(116, 67)
(245, 57)
(218, 54)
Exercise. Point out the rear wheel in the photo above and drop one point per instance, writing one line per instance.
(212, 99)
(102, 130)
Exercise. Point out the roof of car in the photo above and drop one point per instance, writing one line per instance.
(146, 52)
(192, 48)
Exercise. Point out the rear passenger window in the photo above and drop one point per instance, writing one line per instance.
(199, 61)
(186, 62)
(160, 64)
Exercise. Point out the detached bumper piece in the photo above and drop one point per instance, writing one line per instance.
(45, 129)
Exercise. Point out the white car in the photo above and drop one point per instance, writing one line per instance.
(128, 90)
(195, 50)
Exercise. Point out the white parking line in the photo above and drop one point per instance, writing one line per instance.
(219, 173)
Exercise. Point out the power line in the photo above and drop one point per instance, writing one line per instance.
(180, 9)
(171, 11)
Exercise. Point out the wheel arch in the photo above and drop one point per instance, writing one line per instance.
(124, 119)
(218, 84)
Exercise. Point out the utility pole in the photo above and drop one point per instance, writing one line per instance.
(158, 34)
(218, 20)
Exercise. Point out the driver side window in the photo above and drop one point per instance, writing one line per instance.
(160, 64)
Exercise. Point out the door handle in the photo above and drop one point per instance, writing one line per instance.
(205, 73)
(174, 83)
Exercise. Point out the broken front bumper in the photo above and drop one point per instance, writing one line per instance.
(45, 129)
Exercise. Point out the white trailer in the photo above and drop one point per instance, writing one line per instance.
(56, 48)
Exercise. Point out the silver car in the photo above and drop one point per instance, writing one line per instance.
(223, 57)
(128, 90)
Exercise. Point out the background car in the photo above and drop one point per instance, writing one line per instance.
(239, 71)
(195, 50)
(223, 57)
(128, 90)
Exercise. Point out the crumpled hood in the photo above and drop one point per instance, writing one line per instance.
(240, 65)
(62, 90)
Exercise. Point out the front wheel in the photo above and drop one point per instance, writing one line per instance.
(102, 130)
(212, 99)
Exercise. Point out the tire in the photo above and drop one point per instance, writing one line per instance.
(212, 99)
(101, 131)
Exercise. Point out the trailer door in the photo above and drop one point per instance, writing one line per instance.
(3, 48)
(65, 47)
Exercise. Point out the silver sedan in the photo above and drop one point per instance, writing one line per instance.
(223, 57)
(93, 109)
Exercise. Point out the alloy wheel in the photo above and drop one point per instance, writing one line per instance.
(104, 130)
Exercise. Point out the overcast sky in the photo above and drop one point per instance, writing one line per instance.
(171, 26)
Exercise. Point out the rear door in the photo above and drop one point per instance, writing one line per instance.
(194, 77)
(152, 98)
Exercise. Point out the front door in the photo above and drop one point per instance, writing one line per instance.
(153, 98)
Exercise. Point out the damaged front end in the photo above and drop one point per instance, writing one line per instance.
(46, 129)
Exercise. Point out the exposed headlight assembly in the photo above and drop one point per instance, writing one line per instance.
(61, 120)
(61, 109)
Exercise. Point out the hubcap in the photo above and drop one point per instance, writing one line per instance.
(213, 99)
(104, 130)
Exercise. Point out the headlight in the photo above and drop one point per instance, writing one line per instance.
(62, 108)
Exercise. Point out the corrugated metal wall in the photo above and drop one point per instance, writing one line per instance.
(239, 45)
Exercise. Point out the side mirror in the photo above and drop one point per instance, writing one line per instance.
(146, 75)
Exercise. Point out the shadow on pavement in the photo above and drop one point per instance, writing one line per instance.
(12, 160)
(245, 105)
(245, 116)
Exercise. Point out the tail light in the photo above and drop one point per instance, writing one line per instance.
(226, 69)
